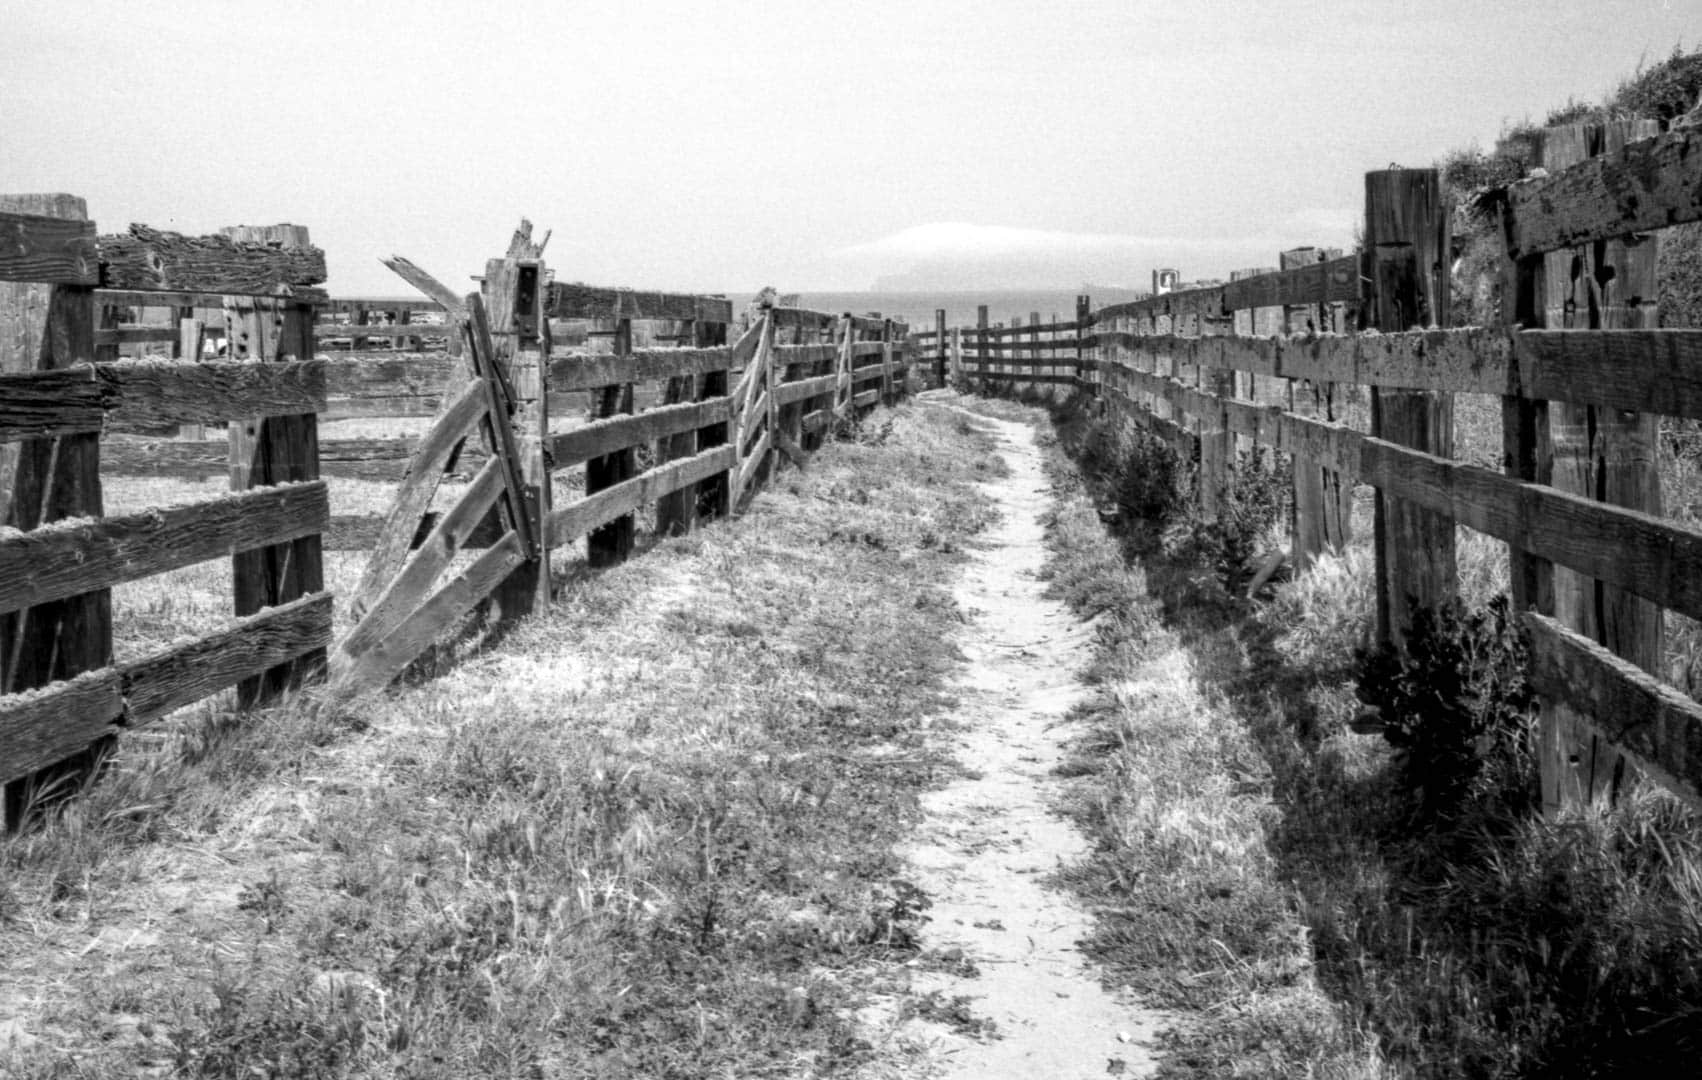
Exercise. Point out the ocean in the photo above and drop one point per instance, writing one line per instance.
(917, 308)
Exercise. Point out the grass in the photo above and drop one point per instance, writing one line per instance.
(649, 835)
(1259, 861)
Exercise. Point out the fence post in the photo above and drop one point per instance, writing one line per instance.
(1084, 315)
(44, 328)
(940, 361)
(512, 292)
(1408, 233)
(711, 493)
(274, 450)
(676, 510)
(612, 543)
(955, 362)
(1598, 453)
(980, 347)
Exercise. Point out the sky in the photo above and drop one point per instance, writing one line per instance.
(807, 145)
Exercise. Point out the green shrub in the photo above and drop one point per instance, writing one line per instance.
(1455, 703)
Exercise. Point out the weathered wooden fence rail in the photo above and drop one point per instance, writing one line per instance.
(1580, 374)
(680, 419)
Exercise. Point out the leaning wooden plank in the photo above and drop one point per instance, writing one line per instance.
(574, 300)
(74, 556)
(788, 393)
(37, 404)
(147, 394)
(1657, 725)
(41, 727)
(386, 659)
(446, 298)
(568, 523)
(1649, 184)
(569, 373)
(153, 259)
(404, 592)
(753, 461)
(617, 433)
(414, 495)
(47, 250)
(184, 674)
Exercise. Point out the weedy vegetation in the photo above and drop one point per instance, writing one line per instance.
(650, 835)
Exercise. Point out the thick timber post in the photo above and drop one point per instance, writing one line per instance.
(513, 288)
(1408, 233)
(274, 450)
(45, 328)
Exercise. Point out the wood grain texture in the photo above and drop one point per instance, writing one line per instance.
(147, 394)
(601, 437)
(569, 373)
(568, 523)
(39, 404)
(413, 584)
(790, 317)
(386, 659)
(65, 558)
(183, 674)
(791, 392)
(574, 300)
(1660, 727)
(148, 258)
(1649, 184)
(45, 726)
(48, 250)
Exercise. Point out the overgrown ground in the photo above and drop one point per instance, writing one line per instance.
(1306, 891)
(649, 835)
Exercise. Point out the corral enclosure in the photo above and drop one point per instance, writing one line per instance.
(216, 476)
(1543, 433)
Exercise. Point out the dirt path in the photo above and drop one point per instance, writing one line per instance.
(990, 839)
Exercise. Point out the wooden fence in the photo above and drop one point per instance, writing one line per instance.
(481, 368)
(1581, 376)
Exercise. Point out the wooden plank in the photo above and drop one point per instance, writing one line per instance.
(348, 305)
(570, 373)
(452, 302)
(789, 317)
(616, 433)
(405, 591)
(376, 460)
(805, 354)
(135, 335)
(866, 399)
(386, 659)
(1650, 184)
(754, 462)
(148, 258)
(568, 523)
(1016, 331)
(76, 556)
(38, 404)
(575, 300)
(792, 392)
(147, 394)
(388, 331)
(1659, 727)
(171, 678)
(44, 726)
(48, 250)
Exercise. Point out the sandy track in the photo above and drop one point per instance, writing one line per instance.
(989, 840)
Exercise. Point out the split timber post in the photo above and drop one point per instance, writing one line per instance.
(274, 450)
(1323, 505)
(610, 544)
(520, 337)
(955, 362)
(45, 328)
(1084, 318)
(676, 511)
(1034, 354)
(981, 355)
(710, 495)
(1598, 453)
(1407, 256)
(940, 346)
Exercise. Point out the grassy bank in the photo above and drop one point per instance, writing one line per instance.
(648, 834)
(1304, 886)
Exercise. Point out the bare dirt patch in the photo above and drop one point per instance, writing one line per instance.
(1020, 1000)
